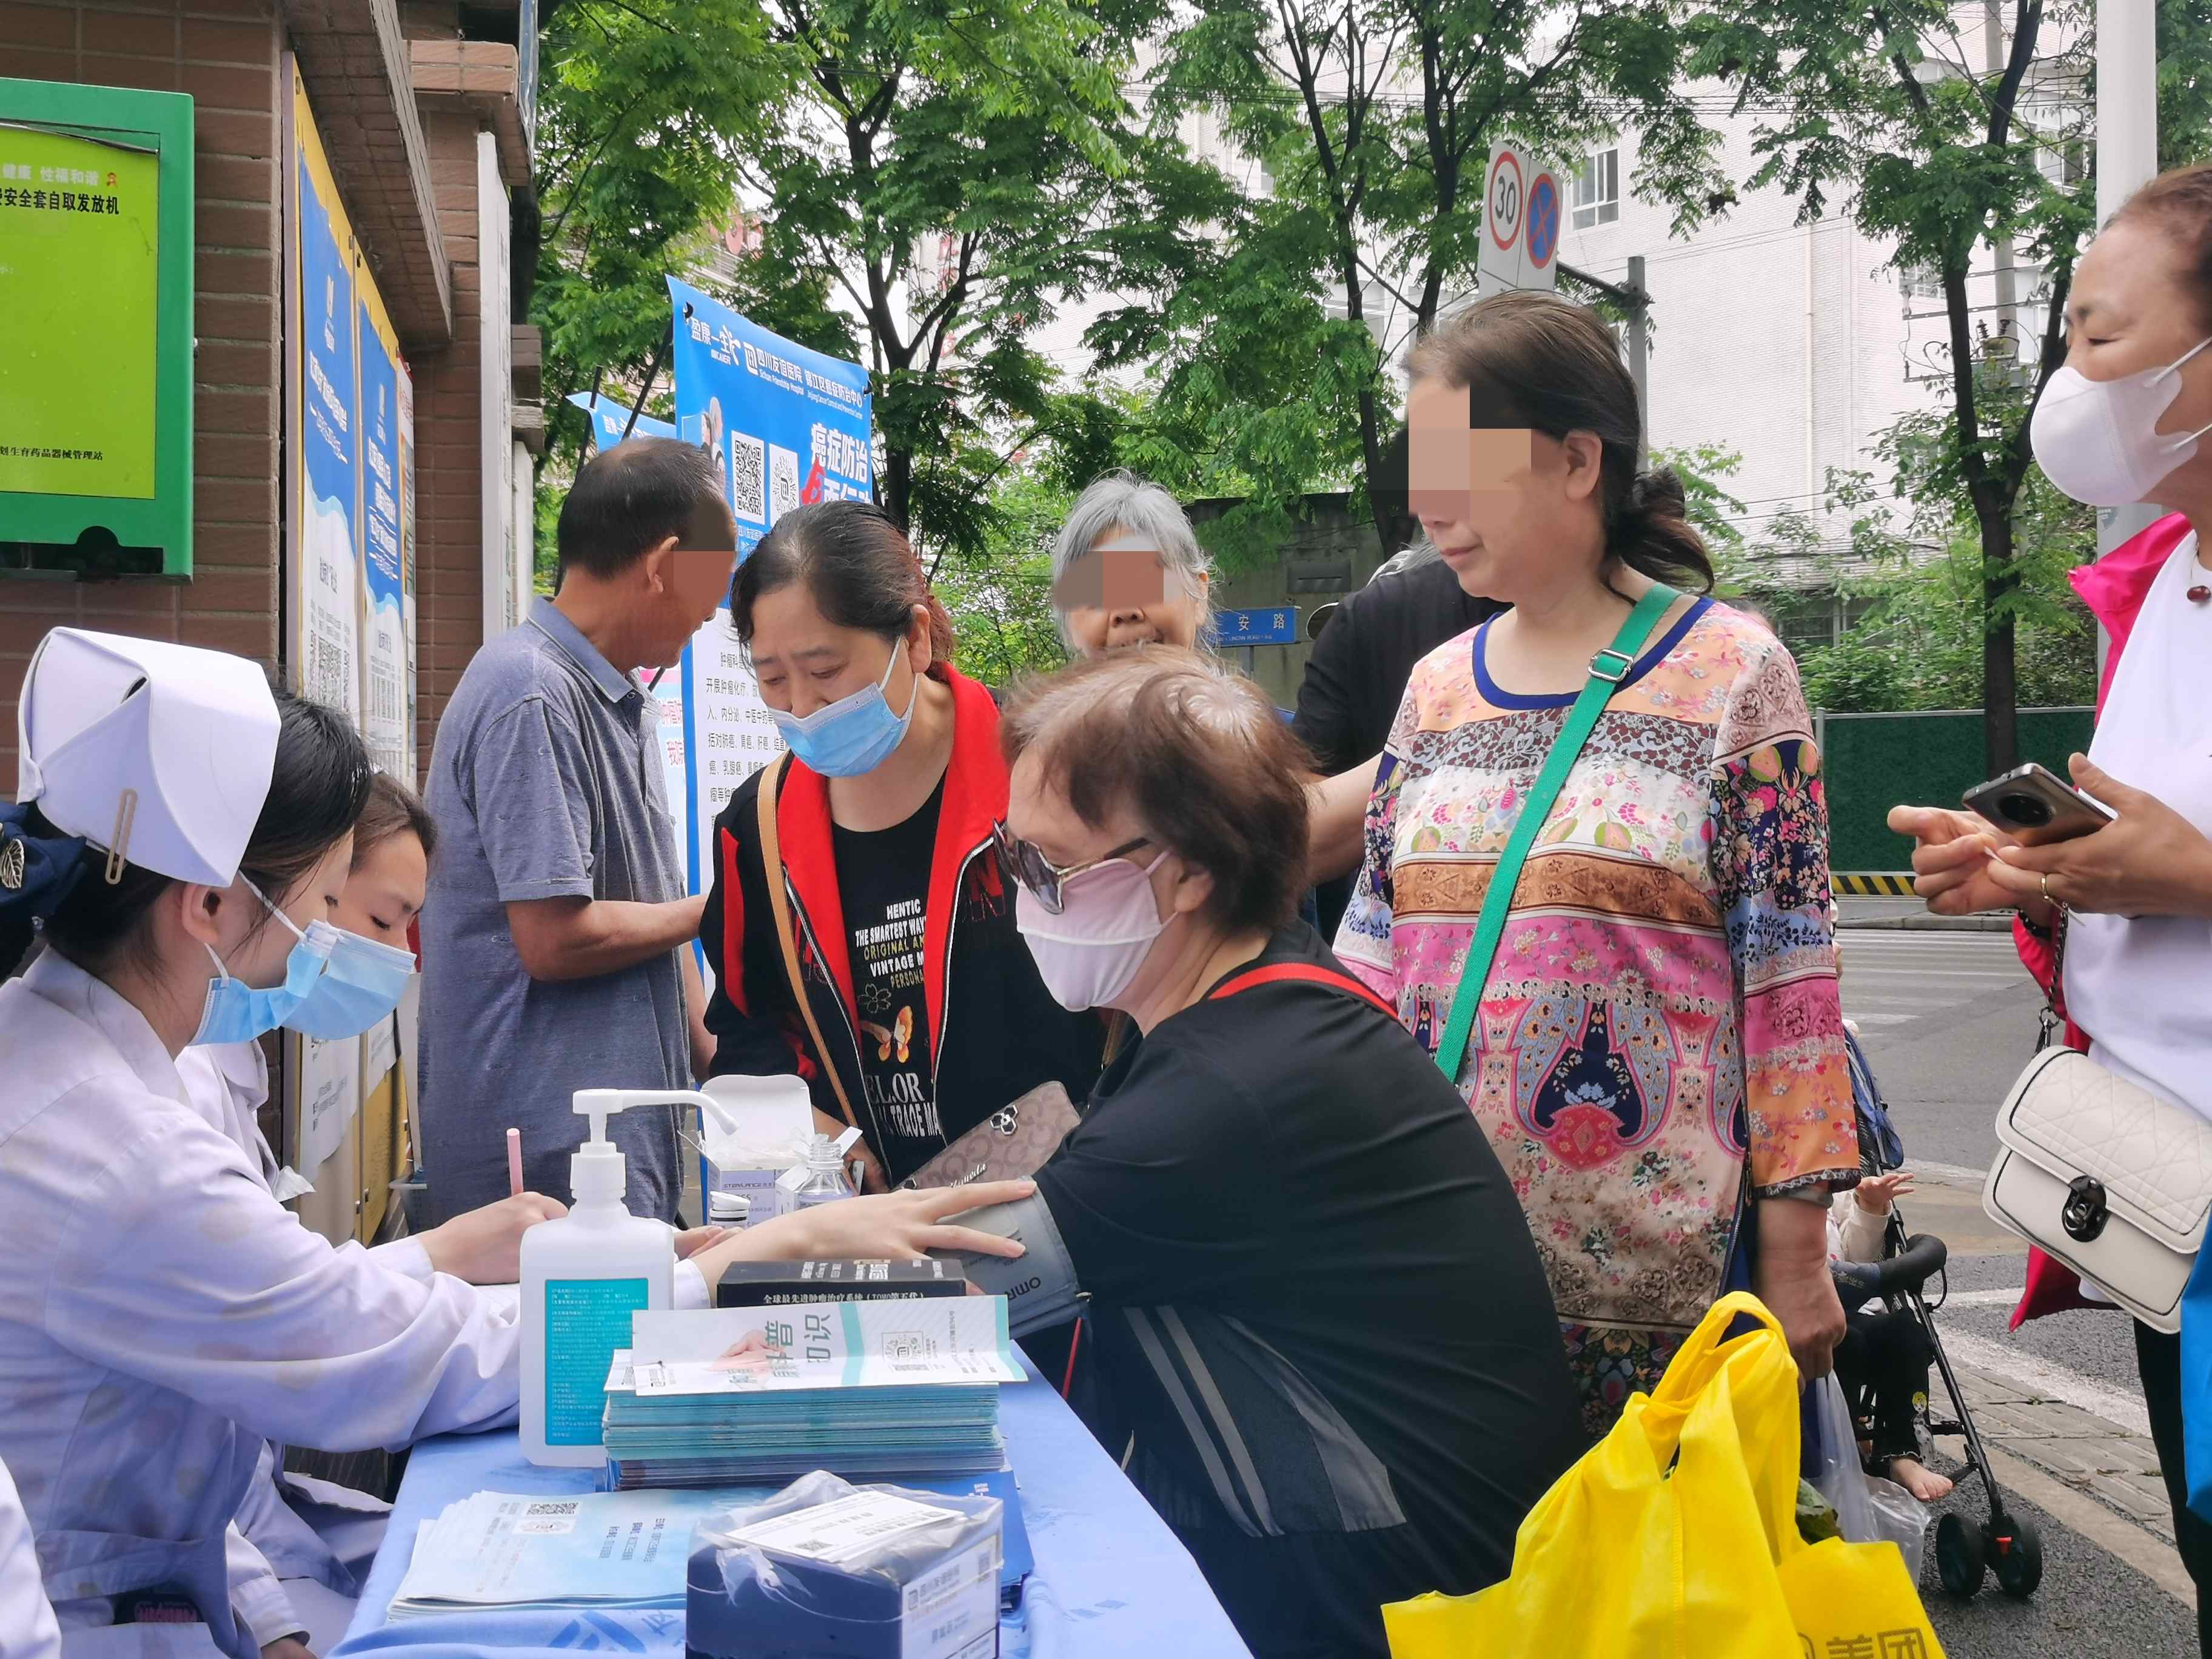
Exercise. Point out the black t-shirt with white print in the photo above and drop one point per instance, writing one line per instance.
(883, 878)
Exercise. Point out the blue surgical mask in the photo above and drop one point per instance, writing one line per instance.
(854, 734)
(361, 984)
(237, 1012)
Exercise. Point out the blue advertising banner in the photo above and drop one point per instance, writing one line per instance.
(787, 426)
(384, 626)
(330, 476)
(610, 416)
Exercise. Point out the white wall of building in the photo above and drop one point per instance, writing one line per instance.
(1785, 344)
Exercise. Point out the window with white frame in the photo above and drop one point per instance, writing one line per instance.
(1597, 189)
(2061, 153)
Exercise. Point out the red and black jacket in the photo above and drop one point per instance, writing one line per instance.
(995, 1032)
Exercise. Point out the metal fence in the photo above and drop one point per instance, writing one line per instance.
(1872, 761)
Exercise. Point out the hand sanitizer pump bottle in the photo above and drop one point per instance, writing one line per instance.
(583, 1276)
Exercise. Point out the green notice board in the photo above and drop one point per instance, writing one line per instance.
(95, 326)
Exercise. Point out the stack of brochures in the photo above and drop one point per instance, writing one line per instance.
(555, 1553)
(750, 1396)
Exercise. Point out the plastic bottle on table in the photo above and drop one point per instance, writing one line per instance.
(825, 1180)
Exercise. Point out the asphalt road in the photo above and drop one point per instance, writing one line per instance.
(1948, 1019)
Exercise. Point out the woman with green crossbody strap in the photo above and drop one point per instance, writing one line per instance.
(1596, 876)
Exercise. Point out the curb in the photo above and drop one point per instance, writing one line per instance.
(1929, 924)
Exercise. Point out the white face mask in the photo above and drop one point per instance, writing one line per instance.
(2099, 440)
(1091, 952)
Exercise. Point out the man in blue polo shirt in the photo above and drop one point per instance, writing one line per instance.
(553, 939)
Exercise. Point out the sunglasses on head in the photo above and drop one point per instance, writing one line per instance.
(1044, 878)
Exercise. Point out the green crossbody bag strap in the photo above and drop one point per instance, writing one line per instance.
(1606, 670)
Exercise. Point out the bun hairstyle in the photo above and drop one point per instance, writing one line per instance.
(317, 785)
(857, 565)
(1534, 361)
(2181, 202)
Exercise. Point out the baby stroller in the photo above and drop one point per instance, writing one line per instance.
(1965, 1551)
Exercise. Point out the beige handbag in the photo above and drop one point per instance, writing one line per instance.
(1014, 1142)
(2105, 1177)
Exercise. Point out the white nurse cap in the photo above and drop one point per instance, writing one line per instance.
(158, 754)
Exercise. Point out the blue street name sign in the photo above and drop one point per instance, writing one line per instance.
(1277, 625)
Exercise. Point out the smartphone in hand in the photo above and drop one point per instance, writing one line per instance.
(2036, 806)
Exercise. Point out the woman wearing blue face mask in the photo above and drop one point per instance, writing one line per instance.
(922, 1014)
(178, 847)
(302, 1546)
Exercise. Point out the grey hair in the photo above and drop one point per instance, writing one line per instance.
(1123, 501)
(1423, 551)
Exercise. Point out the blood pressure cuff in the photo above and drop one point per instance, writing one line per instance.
(1040, 1287)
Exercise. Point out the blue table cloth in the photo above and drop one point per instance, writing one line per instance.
(1111, 1578)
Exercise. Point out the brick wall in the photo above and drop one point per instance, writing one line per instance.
(224, 53)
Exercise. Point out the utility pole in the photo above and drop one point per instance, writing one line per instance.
(2127, 159)
(1635, 299)
(1639, 353)
(1993, 59)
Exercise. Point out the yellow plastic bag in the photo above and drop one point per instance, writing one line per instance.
(1638, 1550)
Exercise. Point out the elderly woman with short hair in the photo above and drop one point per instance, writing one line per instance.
(1310, 1288)
(1127, 569)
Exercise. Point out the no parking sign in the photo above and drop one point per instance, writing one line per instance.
(1520, 246)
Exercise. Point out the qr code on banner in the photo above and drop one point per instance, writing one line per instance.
(748, 478)
(782, 482)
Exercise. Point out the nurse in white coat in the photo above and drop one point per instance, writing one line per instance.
(157, 1297)
(179, 837)
(304, 1544)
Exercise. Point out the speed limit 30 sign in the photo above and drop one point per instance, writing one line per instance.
(1520, 246)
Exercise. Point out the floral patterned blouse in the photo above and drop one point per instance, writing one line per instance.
(1661, 1027)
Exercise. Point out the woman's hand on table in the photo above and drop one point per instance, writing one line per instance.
(2149, 862)
(1790, 1274)
(889, 1226)
(485, 1246)
(1951, 865)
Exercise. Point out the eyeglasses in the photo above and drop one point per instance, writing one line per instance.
(1040, 874)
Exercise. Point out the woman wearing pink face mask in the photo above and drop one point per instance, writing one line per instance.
(1311, 1289)
(2116, 925)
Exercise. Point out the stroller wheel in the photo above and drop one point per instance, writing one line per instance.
(2014, 1554)
(1961, 1557)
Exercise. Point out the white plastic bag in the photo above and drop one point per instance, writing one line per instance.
(1869, 1510)
(1901, 1517)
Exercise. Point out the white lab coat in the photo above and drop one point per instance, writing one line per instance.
(27, 1630)
(298, 1548)
(162, 1316)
